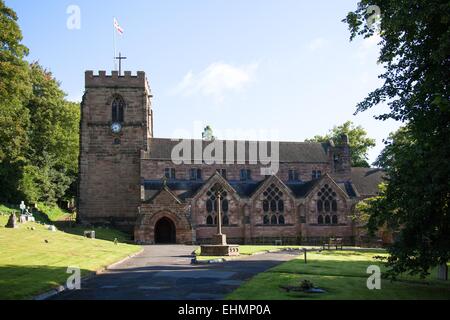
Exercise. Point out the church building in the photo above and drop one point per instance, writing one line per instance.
(128, 179)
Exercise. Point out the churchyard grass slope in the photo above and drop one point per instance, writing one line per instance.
(35, 261)
(45, 213)
(343, 275)
(51, 214)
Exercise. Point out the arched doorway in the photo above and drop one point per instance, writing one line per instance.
(165, 232)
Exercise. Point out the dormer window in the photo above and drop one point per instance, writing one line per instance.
(170, 173)
(223, 173)
(316, 174)
(293, 175)
(196, 174)
(246, 175)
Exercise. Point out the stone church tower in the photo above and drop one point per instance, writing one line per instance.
(116, 125)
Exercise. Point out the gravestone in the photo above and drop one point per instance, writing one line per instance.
(89, 234)
(12, 221)
(443, 272)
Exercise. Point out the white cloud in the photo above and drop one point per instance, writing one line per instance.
(216, 80)
(317, 44)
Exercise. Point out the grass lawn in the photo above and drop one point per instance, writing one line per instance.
(45, 213)
(54, 215)
(343, 275)
(29, 266)
(4, 209)
(247, 250)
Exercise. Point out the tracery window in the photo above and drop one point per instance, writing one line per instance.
(327, 206)
(273, 206)
(118, 106)
(212, 209)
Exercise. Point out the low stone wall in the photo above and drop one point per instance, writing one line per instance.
(123, 224)
(310, 241)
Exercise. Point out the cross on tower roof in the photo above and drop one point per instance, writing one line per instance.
(120, 58)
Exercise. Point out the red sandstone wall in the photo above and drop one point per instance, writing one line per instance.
(109, 188)
(154, 170)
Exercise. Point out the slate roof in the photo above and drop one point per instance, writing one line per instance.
(161, 149)
(367, 180)
(300, 190)
(188, 189)
(183, 189)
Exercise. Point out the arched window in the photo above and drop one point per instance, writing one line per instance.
(209, 206)
(320, 220)
(273, 206)
(266, 206)
(225, 221)
(274, 220)
(118, 106)
(225, 205)
(320, 206)
(327, 206)
(334, 206)
(280, 205)
(212, 209)
(335, 219)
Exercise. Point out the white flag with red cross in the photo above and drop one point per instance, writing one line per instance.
(117, 26)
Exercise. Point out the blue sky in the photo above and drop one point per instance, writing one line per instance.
(278, 69)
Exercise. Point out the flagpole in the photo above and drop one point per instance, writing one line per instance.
(114, 45)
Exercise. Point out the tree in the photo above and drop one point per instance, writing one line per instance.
(360, 143)
(13, 67)
(38, 127)
(14, 90)
(415, 52)
(208, 134)
(53, 140)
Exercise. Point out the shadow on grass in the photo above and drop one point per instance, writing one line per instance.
(340, 279)
(26, 282)
(101, 233)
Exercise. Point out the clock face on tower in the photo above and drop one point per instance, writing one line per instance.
(116, 127)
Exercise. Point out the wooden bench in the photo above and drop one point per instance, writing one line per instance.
(334, 242)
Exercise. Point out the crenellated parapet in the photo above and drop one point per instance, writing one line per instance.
(113, 80)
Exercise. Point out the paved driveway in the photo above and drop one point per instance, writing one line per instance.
(166, 273)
